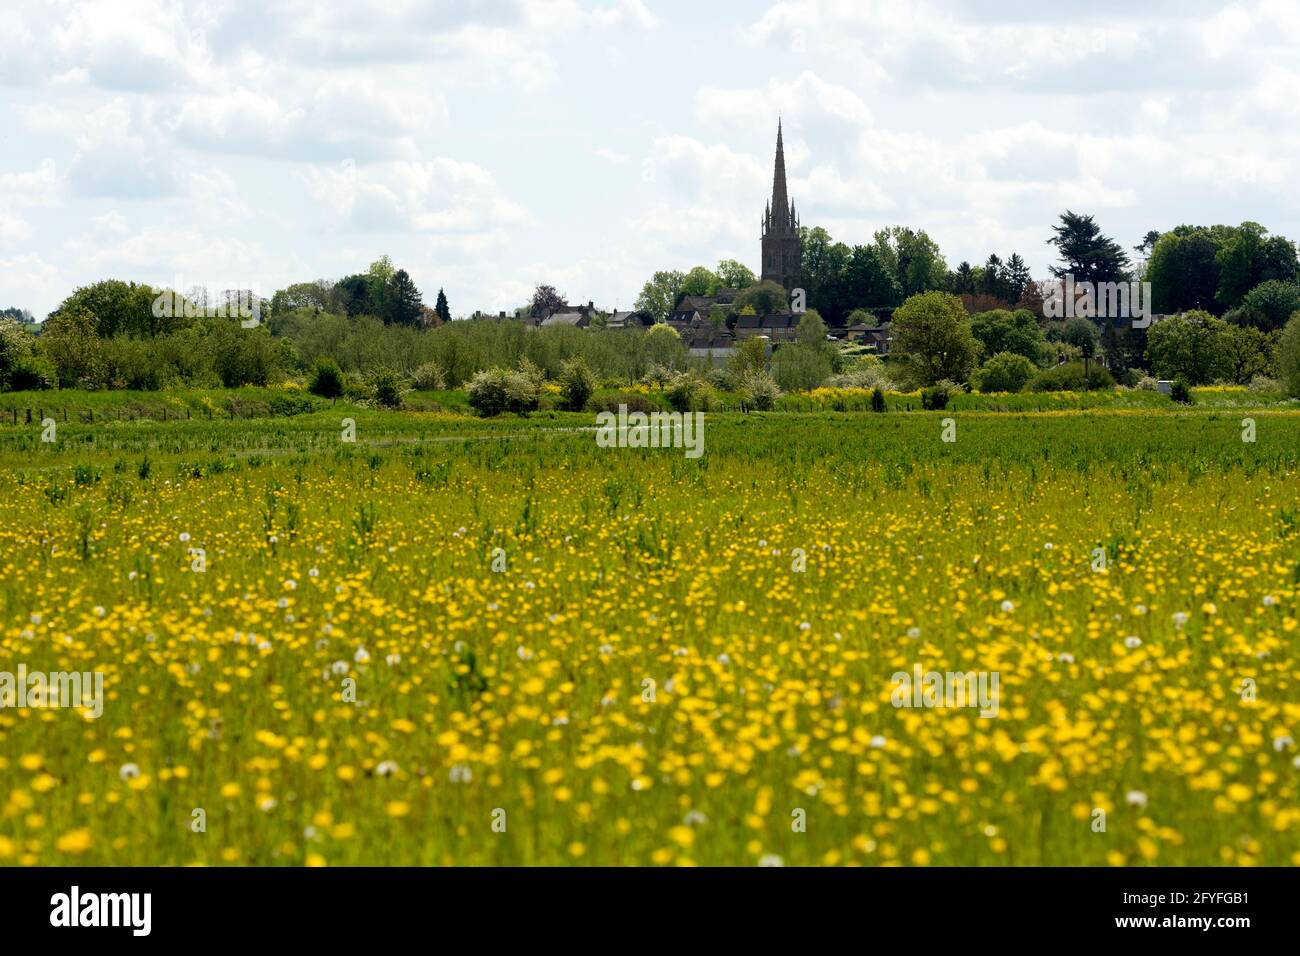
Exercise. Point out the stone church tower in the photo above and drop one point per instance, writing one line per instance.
(781, 246)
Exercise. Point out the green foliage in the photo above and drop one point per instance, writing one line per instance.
(877, 400)
(688, 392)
(403, 304)
(1270, 304)
(1004, 331)
(125, 308)
(750, 358)
(760, 391)
(1183, 270)
(932, 338)
(812, 330)
(72, 347)
(429, 377)
(496, 390)
(1287, 356)
(577, 383)
(735, 275)
(326, 378)
(912, 259)
(660, 295)
(1190, 346)
(1249, 257)
(487, 391)
(387, 387)
(700, 281)
(1070, 378)
(934, 398)
(1180, 392)
(1085, 252)
(1005, 372)
(17, 349)
(663, 346)
(765, 298)
(800, 368)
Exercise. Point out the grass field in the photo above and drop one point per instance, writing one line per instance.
(654, 674)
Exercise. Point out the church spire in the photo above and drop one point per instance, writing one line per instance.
(780, 200)
(782, 250)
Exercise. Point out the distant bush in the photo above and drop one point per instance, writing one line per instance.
(1070, 378)
(657, 375)
(577, 383)
(326, 378)
(1181, 392)
(934, 398)
(1005, 372)
(1287, 356)
(866, 374)
(290, 403)
(31, 374)
(721, 379)
(487, 392)
(523, 391)
(689, 393)
(760, 392)
(877, 400)
(634, 401)
(496, 390)
(429, 377)
(387, 387)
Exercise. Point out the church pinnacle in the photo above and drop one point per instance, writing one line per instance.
(781, 245)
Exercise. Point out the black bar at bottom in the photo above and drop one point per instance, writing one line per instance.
(558, 905)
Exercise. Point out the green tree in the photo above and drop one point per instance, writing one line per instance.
(1247, 257)
(1269, 304)
(699, 281)
(932, 338)
(1085, 253)
(403, 303)
(661, 294)
(577, 383)
(317, 295)
(1016, 278)
(1287, 356)
(750, 358)
(125, 308)
(1246, 351)
(1183, 270)
(1004, 331)
(799, 368)
(326, 378)
(735, 275)
(823, 268)
(868, 283)
(913, 258)
(812, 330)
(1005, 372)
(765, 298)
(441, 307)
(663, 346)
(69, 341)
(1189, 346)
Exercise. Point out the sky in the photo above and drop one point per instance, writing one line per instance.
(488, 146)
